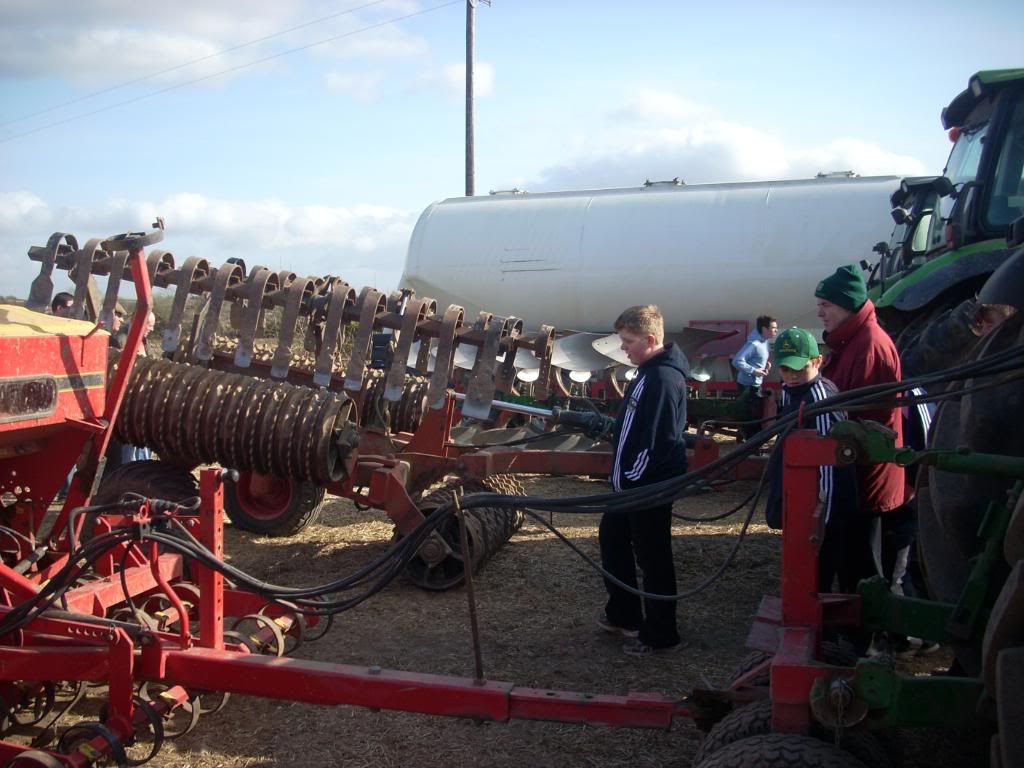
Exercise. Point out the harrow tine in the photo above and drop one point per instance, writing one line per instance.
(160, 265)
(227, 277)
(505, 375)
(120, 259)
(480, 391)
(83, 274)
(192, 272)
(445, 356)
(416, 312)
(299, 291)
(543, 346)
(314, 317)
(343, 296)
(260, 281)
(41, 293)
(371, 302)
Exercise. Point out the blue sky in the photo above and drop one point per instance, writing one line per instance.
(321, 160)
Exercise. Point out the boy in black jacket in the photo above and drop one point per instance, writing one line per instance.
(649, 447)
(799, 363)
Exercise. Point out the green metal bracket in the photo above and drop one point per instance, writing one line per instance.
(871, 443)
(903, 701)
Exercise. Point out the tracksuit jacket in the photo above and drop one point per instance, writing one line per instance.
(650, 428)
(837, 486)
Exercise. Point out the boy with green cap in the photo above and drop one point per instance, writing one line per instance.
(799, 363)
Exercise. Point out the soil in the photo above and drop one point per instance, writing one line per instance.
(537, 603)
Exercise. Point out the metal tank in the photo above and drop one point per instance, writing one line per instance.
(703, 253)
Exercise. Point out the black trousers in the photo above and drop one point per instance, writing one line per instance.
(641, 538)
(881, 540)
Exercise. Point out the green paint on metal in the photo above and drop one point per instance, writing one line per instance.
(892, 291)
(896, 700)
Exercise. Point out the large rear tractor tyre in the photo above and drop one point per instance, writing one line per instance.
(272, 506)
(779, 750)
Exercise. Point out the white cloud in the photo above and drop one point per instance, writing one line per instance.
(365, 244)
(360, 86)
(451, 80)
(119, 40)
(660, 135)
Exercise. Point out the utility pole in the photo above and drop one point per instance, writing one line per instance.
(470, 148)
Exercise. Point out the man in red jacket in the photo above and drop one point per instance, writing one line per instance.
(862, 354)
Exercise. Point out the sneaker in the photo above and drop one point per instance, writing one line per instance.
(903, 647)
(615, 629)
(928, 648)
(638, 647)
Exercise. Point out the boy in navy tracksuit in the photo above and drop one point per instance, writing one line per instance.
(799, 363)
(649, 447)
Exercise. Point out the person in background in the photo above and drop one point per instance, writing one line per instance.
(122, 453)
(799, 362)
(61, 304)
(649, 447)
(752, 365)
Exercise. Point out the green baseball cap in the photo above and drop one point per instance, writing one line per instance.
(794, 347)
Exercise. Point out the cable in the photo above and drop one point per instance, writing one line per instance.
(227, 71)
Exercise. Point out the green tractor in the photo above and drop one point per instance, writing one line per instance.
(953, 231)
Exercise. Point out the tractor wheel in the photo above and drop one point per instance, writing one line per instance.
(777, 750)
(951, 511)
(755, 719)
(152, 479)
(272, 506)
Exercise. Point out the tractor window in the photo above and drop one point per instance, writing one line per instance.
(1007, 198)
(962, 166)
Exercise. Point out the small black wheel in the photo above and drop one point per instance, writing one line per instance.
(77, 738)
(779, 750)
(253, 623)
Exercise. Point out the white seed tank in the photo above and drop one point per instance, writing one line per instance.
(706, 252)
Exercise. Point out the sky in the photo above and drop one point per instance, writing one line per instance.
(310, 134)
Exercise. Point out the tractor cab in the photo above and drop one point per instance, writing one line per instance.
(951, 230)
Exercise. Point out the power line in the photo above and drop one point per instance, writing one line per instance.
(228, 71)
(201, 59)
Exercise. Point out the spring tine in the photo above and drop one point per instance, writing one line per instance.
(371, 301)
(194, 269)
(505, 375)
(299, 291)
(423, 358)
(120, 259)
(445, 356)
(612, 381)
(83, 273)
(41, 293)
(480, 391)
(416, 311)
(543, 344)
(259, 282)
(342, 297)
(227, 276)
(161, 267)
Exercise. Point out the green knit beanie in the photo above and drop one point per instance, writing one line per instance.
(845, 288)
